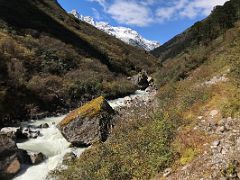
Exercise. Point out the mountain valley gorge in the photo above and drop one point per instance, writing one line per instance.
(78, 103)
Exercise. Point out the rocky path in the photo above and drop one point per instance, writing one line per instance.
(220, 159)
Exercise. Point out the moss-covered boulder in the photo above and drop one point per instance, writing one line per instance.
(88, 124)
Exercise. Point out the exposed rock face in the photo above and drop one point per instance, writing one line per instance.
(9, 162)
(89, 123)
(141, 80)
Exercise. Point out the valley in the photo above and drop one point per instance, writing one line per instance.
(78, 103)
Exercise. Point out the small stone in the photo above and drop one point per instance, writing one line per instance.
(69, 157)
(216, 143)
(200, 117)
(229, 118)
(213, 113)
(36, 158)
(203, 121)
(167, 172)
(44, 126)
(223, 152)
(221, 129)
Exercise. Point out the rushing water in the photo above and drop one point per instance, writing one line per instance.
(52, 144)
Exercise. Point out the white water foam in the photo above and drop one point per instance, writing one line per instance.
(52, 144)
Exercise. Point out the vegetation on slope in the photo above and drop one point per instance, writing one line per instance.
(52, 62)
(140, 147)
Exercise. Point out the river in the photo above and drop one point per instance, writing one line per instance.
(52, 144)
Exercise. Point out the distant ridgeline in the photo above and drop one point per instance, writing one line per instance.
(51, 62)
(221, 19)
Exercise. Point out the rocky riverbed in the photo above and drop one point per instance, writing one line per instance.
(43, 139)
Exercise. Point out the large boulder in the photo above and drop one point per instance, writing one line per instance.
(9, 161)
(88, 124)
(141, 80)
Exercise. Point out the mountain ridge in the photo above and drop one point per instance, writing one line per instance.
(125, 34)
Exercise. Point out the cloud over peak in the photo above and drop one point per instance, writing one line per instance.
(131, 13)
(145, 12)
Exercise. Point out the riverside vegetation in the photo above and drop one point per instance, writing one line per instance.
(51, 62)
(140, 148)
(153, 137)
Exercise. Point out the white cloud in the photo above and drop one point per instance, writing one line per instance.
(187, 9)
(131, 13)
(145, 12)
(103, 3)
(96, 14)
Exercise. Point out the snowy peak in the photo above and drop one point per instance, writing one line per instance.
(125, 34)
(87, 19)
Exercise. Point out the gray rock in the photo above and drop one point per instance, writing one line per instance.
(167, 172)
(44, 126)
(141, 80)
(69, 157)
(213, 113)
(36, 157)
(216, 143)
(88, 124)
(221, 129)
(15, 133)
(9, 162)
(150, 80)
(30, 133)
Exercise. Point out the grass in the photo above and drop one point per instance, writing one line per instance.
(140, 148)
(187, 156)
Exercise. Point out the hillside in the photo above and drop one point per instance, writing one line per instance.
(191, 127)
(51, 62)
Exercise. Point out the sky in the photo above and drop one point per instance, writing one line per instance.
(158, 20)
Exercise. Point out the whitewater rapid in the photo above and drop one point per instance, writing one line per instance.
(52, 144)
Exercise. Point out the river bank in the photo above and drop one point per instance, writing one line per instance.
(54, 146)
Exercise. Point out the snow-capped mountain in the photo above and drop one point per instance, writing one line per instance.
(123, 33)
